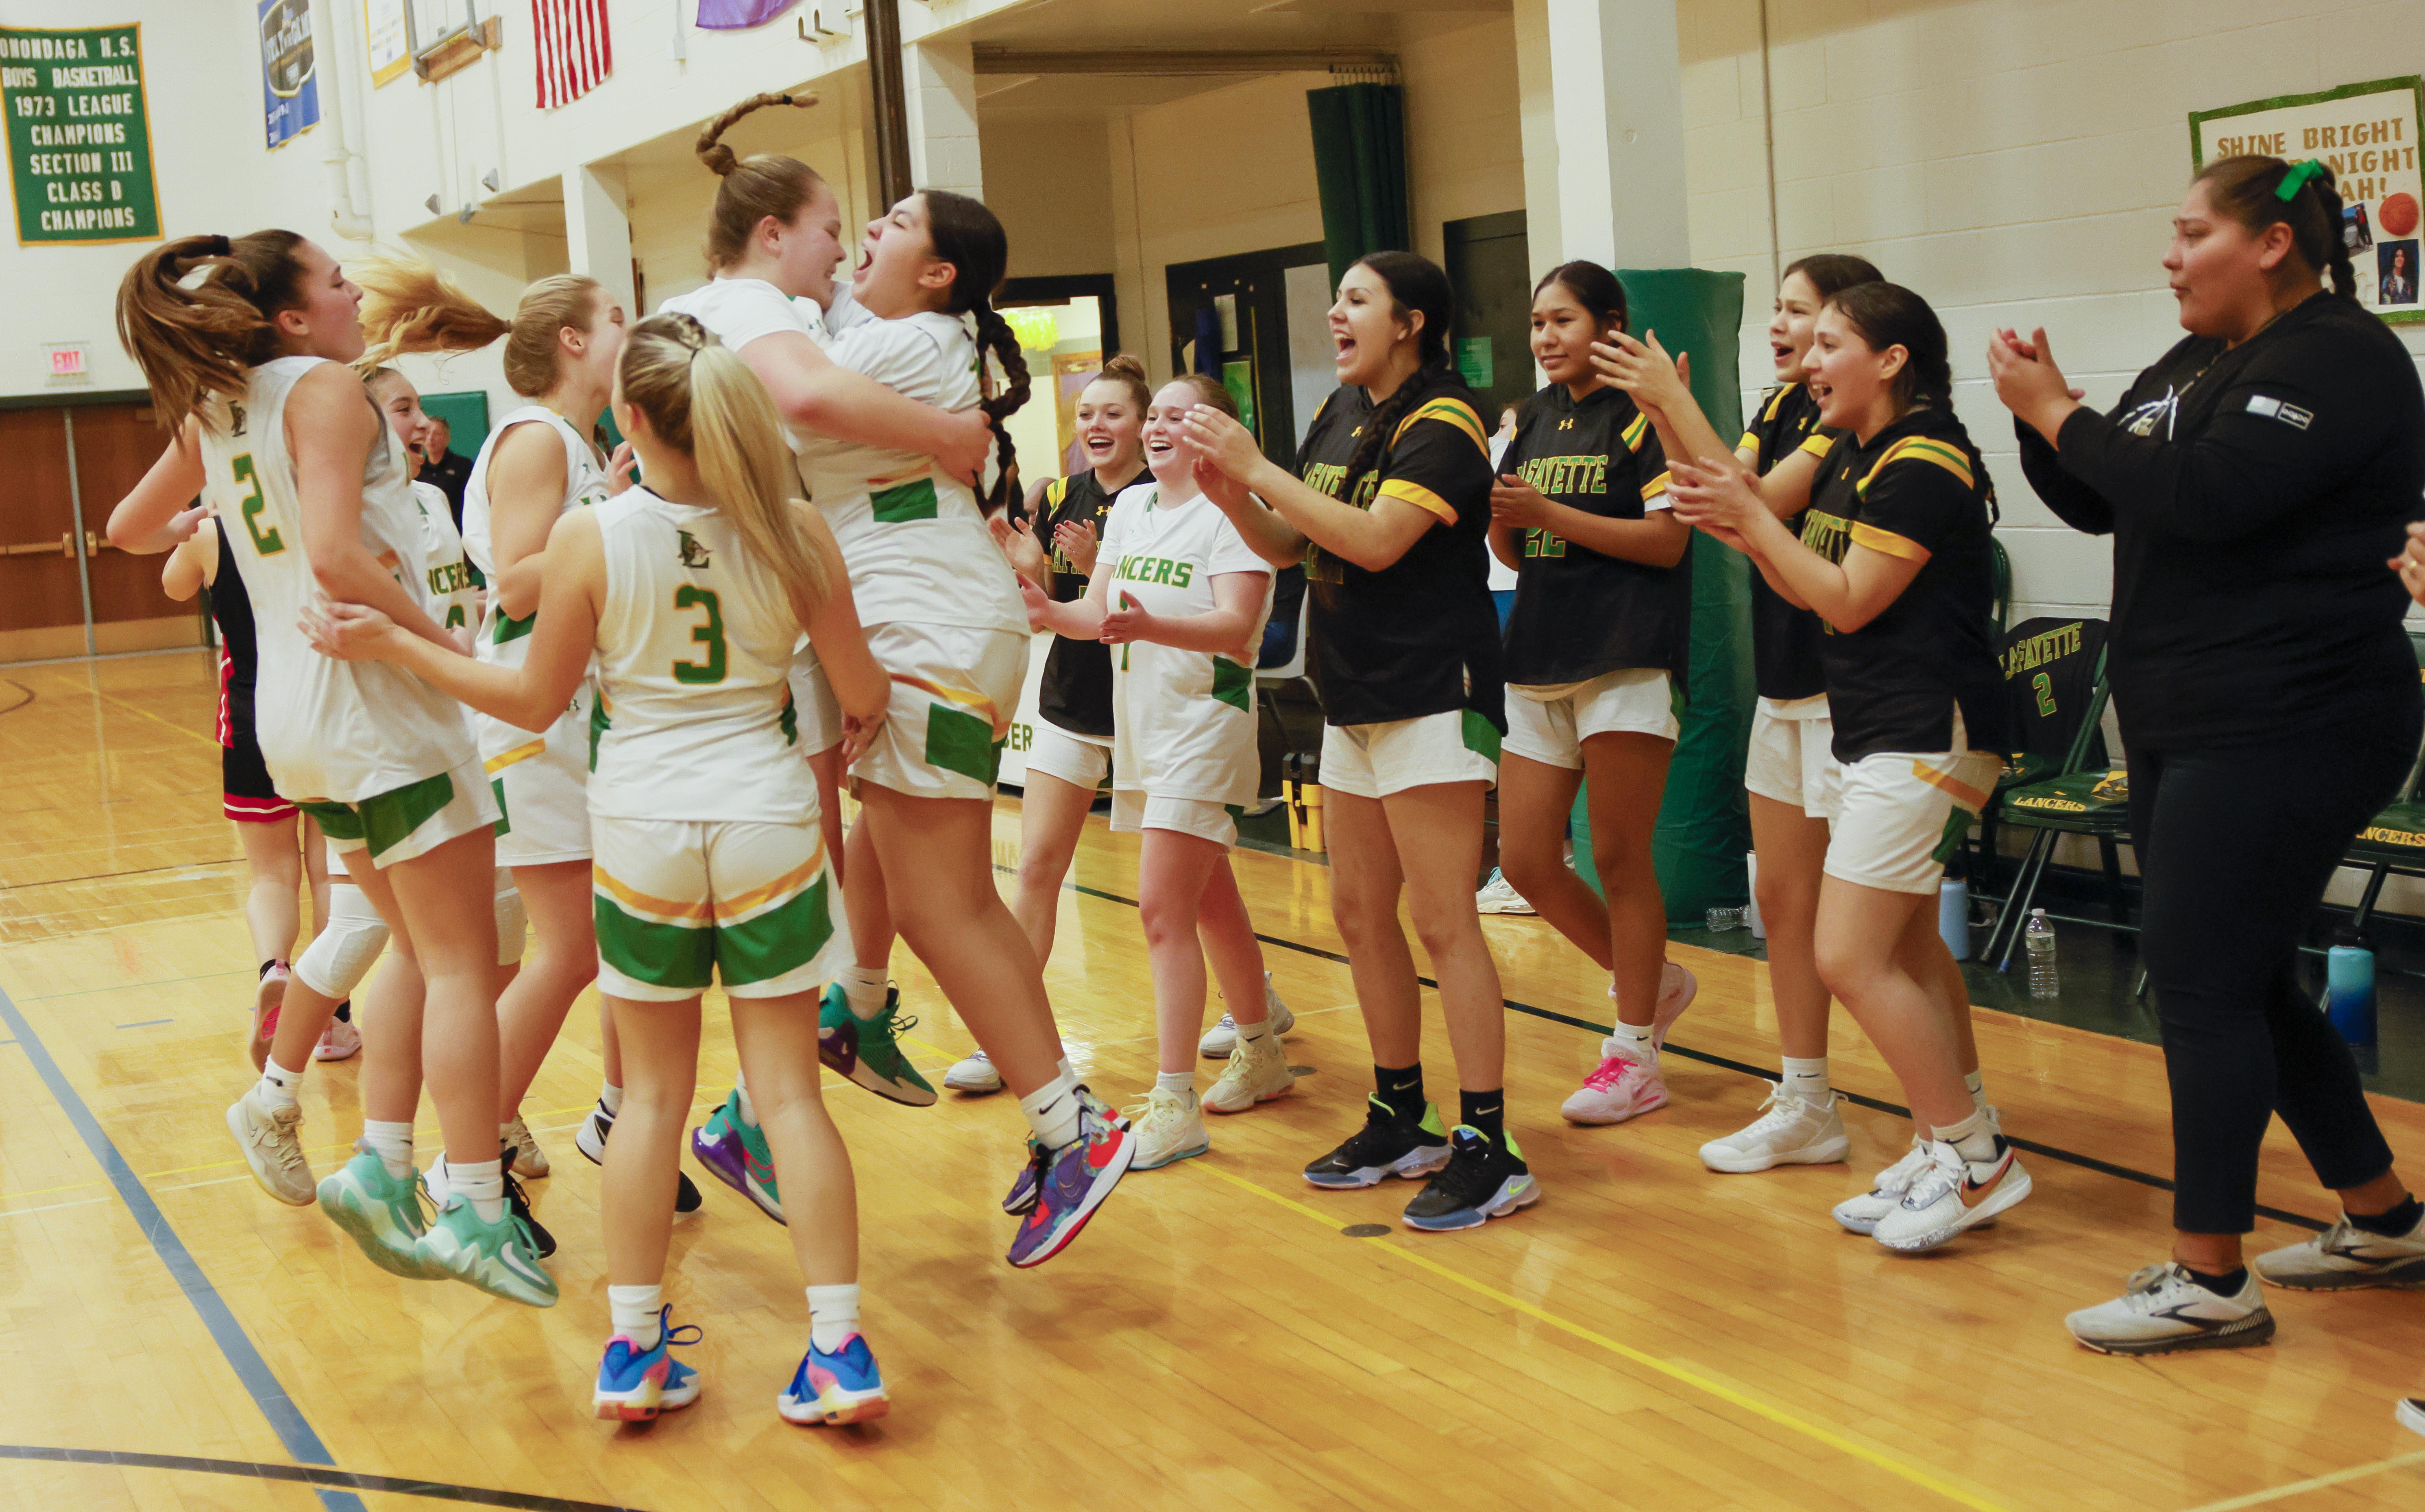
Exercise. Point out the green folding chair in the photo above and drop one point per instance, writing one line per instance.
(2077, 800)
(2394, 844)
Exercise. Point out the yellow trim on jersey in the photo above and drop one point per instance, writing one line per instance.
(1457, 412)
(520, 753)
(1865, 534)
(1055, 490)
(1923, 449)
(1777, 401)
(781, 890)
(1968, 797)
(1750, 439)
(634, 899)
(1633, 432)
(1418, 495)
(1816, 444)
(1656, 487)
(976, 701)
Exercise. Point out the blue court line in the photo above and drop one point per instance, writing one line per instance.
(145, 1023)
(284, 1415)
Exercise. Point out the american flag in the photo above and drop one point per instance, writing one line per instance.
(574, 52)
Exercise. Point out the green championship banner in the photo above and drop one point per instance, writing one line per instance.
(79, 136)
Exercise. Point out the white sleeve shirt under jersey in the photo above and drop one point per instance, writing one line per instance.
(329, 730)
(452, 601)
(505, 641)
(694, 645)
(914, 537)
(1183, 721)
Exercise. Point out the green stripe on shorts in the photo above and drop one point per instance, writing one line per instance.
(1232, 684)
(338, 821)
(957, 741)
(661, 955)
(508, 628)
(1481, 735)
(910, 501)
(776, 941)
(505, 819)
(390, 818)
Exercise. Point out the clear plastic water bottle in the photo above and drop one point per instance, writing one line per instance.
(2045, 981)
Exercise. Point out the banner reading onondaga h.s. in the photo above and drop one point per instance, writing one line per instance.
(79, 135)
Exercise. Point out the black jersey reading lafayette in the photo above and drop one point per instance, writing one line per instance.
(1076, 692)
(1421, 636)
(1580, 615)
(1917, 491)
(1785, 640)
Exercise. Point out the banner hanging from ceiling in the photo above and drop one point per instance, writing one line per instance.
(79, 135)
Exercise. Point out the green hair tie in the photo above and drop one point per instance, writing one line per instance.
(2297, 179)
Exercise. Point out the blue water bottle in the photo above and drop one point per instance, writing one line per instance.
(2349, 993)
(1953, 915)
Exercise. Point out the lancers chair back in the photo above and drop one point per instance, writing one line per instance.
(2394, 841)
(2082, 794)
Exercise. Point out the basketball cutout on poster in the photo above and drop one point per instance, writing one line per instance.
(79, 135)
(2367, 133)
(290, 95)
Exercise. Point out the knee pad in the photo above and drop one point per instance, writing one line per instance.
(348, 943)
(513, 920)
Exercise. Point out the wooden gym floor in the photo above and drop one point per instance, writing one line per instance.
(1648, 1336)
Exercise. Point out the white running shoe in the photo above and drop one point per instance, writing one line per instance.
(2345, 1258)
(1167, 1126)
(2164, 1307)
(1619, 1089)
(1677, 990)
(1223, 1037)
(1258, 1072)
(1860, 1214)
(339, 1041)
(1951, 1195)
(434, 1181)
(590, 1138)
(1789, 1131)
(530, 1161)
(1499, 895)
(2410, 1414)
(271, 1139)
(973, 1075)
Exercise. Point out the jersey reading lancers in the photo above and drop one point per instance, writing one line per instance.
(1917, 491)
(1419, 636)
(1580, 615)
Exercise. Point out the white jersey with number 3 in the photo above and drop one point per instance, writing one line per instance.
(694, 650)
(329, 730)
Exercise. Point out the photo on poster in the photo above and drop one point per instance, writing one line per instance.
(2396, 272)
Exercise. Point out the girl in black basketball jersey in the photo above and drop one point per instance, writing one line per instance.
(1387, 508)
(269, 825)
(1594, 649)
(1894, 555)
(1791, 775)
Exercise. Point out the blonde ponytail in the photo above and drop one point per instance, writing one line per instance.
(409, 306)
(701, 398)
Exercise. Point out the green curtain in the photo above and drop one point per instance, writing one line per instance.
(1359, 169)
(1704, 826)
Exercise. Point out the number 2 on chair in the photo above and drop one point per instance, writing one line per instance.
(710, 634)
(2043, 687)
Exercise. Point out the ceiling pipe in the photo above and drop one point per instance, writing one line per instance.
(331, 55)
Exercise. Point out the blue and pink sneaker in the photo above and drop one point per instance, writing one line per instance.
(736, 1153)
(841, 1388)
(1021, 1199)
(635, 1384)
(1070, 1184)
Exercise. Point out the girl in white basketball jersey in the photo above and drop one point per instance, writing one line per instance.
(691, 593)
(1183, 598)
(249, 360)
(536, 463)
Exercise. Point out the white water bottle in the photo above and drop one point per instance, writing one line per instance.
(2044, 982)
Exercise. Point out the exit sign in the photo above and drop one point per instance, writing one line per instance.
(68, 362)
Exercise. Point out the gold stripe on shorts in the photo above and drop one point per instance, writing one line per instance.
(520, 753)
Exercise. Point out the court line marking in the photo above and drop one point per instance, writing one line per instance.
(285, 1418)
(312, 1476)
(2069, 1157)
(128, 986)
(2316, 1484)
(111, 698)
(1689, 1376)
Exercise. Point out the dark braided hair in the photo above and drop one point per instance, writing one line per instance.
(967, 235)
(1416, 286)
(2247, 189)
(1888, 314)
(1594, 287)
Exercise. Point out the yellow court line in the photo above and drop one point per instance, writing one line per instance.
(1693, 1378)
(130, 708)
(2318, 1483)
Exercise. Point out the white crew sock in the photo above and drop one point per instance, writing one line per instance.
(1250, 1033)
(740, 1103)
(1183, 1082)
(864, 987)
(1631, 1040)
(1971, 1137)
(637, 1312)
(610, 1096)
(482, 1184)
(278, 1085)
(392, 1144)
(1062, 1068)
(834, 1316)
(1807, 1079)
(1978, 1086)
(1053, 1111)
